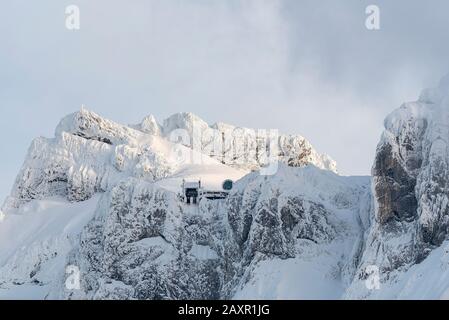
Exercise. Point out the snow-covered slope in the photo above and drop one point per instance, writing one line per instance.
(34, 243)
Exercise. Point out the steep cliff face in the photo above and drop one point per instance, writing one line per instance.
(146, 244)
(294, 223)
(410, 182)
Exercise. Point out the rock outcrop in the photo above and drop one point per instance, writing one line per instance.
(411, 187)
(146, 244)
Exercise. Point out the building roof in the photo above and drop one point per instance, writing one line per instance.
(194, 184)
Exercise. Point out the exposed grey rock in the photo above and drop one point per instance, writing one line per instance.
(411, 189)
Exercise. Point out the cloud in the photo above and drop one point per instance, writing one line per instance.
(299, 66)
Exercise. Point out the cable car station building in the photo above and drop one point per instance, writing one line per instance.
(192, 191)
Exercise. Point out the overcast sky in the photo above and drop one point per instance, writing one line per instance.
(306, 67)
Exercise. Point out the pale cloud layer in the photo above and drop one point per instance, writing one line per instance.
(307, 67)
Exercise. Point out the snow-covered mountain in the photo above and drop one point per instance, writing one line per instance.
(102, 199)
(85, 166)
